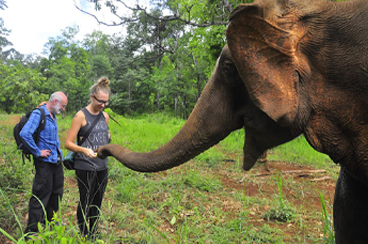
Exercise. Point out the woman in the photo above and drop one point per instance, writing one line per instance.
(91, 171)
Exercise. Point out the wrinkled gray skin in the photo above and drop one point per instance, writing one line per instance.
(290, 67)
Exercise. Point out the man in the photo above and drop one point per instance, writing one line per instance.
(47, 189)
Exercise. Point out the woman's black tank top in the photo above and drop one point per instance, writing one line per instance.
(99, 136)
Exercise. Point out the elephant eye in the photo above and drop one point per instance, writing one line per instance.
(229, 68)
(230, 73)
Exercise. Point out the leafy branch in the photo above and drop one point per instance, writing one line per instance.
(141, 12)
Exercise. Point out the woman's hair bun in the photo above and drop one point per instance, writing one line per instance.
(103, 82)
(101, 85)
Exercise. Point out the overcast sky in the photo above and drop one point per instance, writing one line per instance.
(32, 22)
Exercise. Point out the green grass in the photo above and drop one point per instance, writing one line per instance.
(282, 211)
(327, 221)
(192, 203)
(299, 151)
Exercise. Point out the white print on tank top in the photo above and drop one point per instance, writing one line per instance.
(99, 138)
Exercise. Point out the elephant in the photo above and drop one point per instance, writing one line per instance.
(289, 68)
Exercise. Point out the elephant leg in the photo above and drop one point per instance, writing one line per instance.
(350, 210)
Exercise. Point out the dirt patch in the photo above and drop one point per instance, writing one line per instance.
(13, 119)
(314, 180)
(301, 187)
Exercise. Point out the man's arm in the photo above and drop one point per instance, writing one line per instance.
(29, 129)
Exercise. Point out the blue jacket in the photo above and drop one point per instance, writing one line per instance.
(49, 138)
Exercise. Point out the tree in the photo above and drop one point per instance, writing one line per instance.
(130, 78)
(66, 68)
(164, 13)
(100, 66)
(4, 42)
(96, 43)
(18, 91)
(187, 35)
(199, 14)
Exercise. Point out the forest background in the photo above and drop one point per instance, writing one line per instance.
(160, 65)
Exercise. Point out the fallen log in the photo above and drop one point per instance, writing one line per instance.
(321, 179)
(300, 172)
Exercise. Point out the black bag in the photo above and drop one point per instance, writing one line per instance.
(68, 161)
(18, 128)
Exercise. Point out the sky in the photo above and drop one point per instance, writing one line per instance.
(33, 22)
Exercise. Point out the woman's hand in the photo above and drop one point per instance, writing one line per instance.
(89, 153)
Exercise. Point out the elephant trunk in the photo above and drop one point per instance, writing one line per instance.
(251, 152)
(187, 144)
(211, 121)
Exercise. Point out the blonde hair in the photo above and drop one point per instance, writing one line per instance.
(101, 85)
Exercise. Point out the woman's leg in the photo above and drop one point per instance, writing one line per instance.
(95, 208)
(84, 187)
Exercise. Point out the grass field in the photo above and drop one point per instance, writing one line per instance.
(207, 200)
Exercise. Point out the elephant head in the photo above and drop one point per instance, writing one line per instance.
(305, 65)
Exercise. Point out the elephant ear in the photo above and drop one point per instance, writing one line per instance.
(263, 47)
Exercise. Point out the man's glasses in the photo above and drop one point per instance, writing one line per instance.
(101, 101)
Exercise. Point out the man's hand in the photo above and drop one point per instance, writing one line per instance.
(45, 153)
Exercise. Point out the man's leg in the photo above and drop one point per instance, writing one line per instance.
(57, 191)
(41, 191)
